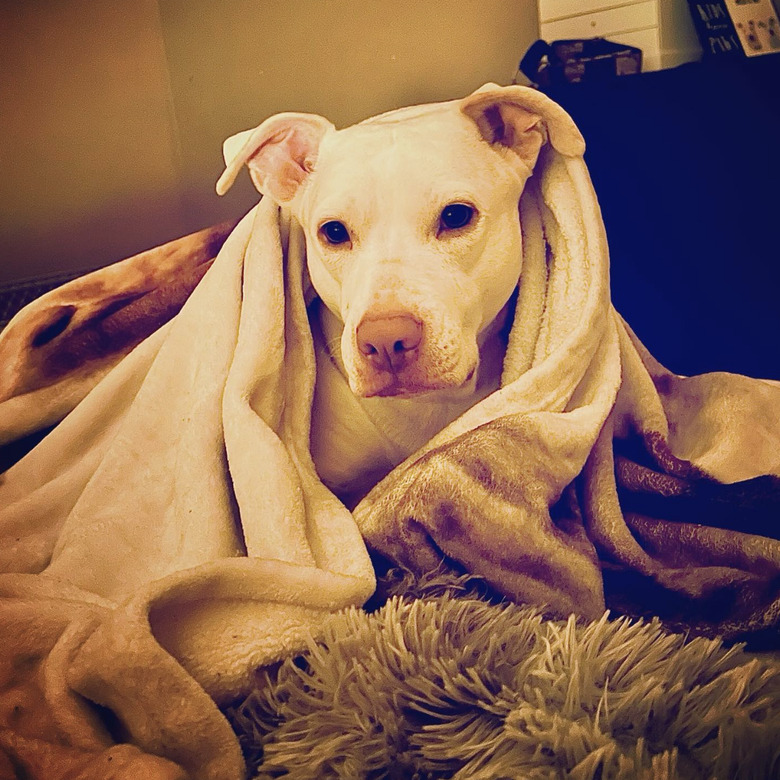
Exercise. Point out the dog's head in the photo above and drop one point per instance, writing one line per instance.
(411, 222)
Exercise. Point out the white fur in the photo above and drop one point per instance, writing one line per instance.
(387, 180)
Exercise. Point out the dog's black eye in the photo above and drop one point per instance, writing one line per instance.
(456, 215)
(335, 232)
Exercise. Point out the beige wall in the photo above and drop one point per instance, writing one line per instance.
(87, 169)
(233, 64)
(120, 109)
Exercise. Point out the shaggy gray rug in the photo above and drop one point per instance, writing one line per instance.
(456, 687)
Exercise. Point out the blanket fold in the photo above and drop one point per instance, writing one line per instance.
(482, 490)
(54, 352)
(179, 501)
(171, 534)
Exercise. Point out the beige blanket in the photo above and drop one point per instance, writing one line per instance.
(170, 534)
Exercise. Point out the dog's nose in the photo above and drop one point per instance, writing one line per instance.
(389, 343)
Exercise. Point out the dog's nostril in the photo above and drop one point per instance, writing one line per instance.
(389, 343)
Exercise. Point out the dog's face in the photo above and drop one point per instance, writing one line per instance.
(415, 245)
(412, 230)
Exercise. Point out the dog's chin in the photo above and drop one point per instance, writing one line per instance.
(393, 386)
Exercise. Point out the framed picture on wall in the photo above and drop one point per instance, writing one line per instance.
(743, 28)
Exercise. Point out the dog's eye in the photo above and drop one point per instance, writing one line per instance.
(335, 232)
(456, 215)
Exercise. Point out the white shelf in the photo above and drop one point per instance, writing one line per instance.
(599, 24)
(662, 29)
(552, 10)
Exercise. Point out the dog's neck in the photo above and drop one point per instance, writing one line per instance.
(356, 441)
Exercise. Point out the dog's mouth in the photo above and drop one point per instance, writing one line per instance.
(395, 386)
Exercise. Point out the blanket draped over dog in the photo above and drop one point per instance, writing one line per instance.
(171, 534)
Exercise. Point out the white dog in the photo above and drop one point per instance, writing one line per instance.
(414, 248)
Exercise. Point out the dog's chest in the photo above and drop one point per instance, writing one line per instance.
(355, 442)
(409, 423)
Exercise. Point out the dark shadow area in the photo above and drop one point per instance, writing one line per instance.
(686, 165)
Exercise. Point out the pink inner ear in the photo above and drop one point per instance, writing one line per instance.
(515, 123)
(503, 122)
(495, 126)
(512, 126)
(282, 163)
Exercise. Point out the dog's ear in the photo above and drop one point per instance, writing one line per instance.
(522, 120)
(280, 154)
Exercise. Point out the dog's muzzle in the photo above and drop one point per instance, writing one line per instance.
(390, 344)
(394, 359)
(389, 347)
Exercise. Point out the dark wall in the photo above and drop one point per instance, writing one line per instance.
(686, 165)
